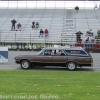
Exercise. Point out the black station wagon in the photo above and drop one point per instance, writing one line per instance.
(71, 58)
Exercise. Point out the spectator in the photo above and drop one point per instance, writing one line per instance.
(90, 32)
(19, 26)
(13, 24)
(78, 36)
(37, 24)
(87, 33)
(41, 33)
(95, 6)
(46, 33)
(98, 33)
(77, 8)
(33, 24)
(99, 7)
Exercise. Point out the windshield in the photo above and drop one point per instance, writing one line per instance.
(40, 53)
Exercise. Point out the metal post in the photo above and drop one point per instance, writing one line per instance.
(15, 37)
(8, 4)
(17, 3)
(26, 4)
(0, 37)
(30, 37)
(45, 41)
(45, 4)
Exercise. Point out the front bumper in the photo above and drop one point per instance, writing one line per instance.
(18, 62)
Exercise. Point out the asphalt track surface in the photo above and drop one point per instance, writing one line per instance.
(11, 65)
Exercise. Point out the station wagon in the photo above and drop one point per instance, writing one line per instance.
(69, 57)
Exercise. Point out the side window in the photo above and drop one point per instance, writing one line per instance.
(59, 52)
(82, 52)
(48, 52)
(76, 52)
(45, 52)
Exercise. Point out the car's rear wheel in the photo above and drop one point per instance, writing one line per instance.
(25, 64)
(71, 66)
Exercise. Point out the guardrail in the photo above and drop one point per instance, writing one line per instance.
(90, 47)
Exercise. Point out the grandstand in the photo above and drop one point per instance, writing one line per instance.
(62, 24)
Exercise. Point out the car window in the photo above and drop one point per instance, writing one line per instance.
(48, 52)
(76, 52)
(58, 52)
(45, 52)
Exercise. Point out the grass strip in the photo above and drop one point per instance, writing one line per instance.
(49, 85)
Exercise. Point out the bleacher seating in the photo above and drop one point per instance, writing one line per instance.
(61, 23)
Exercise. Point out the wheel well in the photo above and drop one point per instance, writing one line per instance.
(24, 59)
(71, 61)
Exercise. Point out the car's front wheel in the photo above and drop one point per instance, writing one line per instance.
(71, 66)
(25, 64)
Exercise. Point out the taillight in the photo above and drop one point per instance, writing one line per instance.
(91, 60)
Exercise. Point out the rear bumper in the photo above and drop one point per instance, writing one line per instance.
(89, 65)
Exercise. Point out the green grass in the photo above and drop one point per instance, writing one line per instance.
(49, 85)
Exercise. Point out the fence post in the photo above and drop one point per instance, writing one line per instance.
(30, 37)
(15, 37)
(0, 37)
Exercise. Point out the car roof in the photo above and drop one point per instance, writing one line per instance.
(67, 48)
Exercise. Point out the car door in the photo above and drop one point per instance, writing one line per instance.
(59, 59)
(44, 59)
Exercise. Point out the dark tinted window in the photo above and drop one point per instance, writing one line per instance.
(76, 52)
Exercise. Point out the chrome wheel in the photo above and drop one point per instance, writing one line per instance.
(25, 64)
(71, 66)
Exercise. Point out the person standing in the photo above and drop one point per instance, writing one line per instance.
(13, 24)
(77, 9)
(37, 24)
(41, 33)
(78, 36)
(33, 24)
(46, 33)
(95, 6)
(99, 7)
